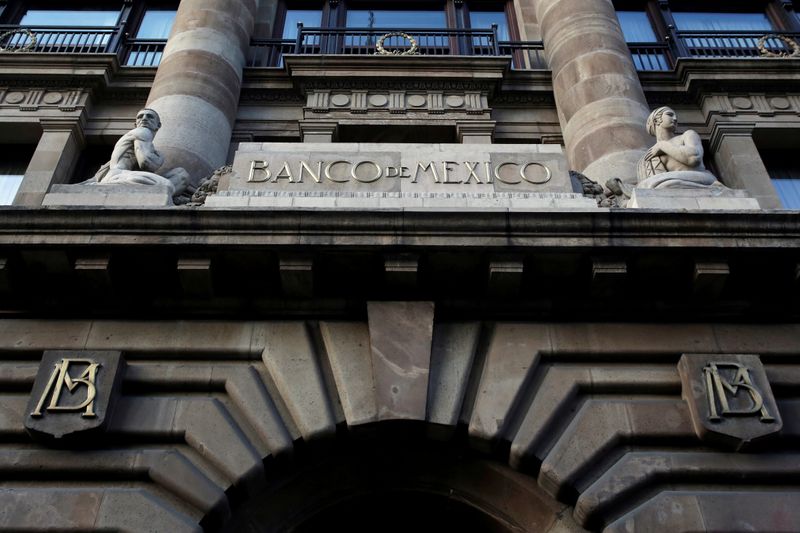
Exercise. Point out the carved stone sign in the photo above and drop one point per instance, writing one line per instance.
(74, 392)
(729, 398)
(497, 175)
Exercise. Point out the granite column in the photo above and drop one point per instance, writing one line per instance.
(197, 86)
(601, 104)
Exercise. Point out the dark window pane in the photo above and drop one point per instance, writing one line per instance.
(636, 27)
(784, 169)
(401, 20)
(41, 17)
(311, 18)
(483, 20)
(706, 21)
(14, 160)
(156, 24)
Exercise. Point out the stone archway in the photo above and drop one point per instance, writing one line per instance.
(391, 477)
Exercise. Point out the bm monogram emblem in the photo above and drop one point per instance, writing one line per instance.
(61, 378)
(729, 398)
(74, 393)
(737, 384)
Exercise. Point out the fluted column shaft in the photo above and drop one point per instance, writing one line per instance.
(197, 86)
(601, 104)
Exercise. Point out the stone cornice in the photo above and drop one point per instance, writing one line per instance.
(501, 229)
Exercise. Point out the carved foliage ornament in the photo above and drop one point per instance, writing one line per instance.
(382, 51)
(788, 41)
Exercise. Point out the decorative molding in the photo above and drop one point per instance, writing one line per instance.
(33, 99)
(359, 102)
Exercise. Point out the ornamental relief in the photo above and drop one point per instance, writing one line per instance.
(33, 99)
(760, 104)
(397, 102)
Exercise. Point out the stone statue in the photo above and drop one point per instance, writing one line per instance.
(675, 161)
(135, 159)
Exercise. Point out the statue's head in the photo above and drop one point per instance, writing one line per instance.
(663, 115)
(148, 118)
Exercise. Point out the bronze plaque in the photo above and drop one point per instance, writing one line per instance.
(74, 393)
(729, 397)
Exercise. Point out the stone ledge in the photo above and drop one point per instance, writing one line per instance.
(108, 196)
(702, 199)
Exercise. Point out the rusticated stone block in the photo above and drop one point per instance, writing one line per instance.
(729, 398)
(401, 335)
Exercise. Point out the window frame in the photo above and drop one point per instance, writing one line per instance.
(334, 13)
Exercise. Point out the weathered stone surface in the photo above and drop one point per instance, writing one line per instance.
(74, 394)
(705, 199)
(53, 161)
(511, 359)
(561, 389)
(601, 425)
(729, 397)
(108, 196)
(400, 335)
(292, 362)
(452, 357)
(637, 470)
(601, 105)
(197, 84)
(348, 348)
(732, 512)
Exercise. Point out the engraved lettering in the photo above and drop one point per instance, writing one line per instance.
(447, 168)
(284, 173)
(262, 167)
(61, 377)
(305, 167)
(547, 173)
(376, 177)
(500, 178)
(392, 172)
(332, 164)
(471, 172)
(430, 167)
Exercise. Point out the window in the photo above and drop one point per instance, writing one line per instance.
(92, 33)
(147, 46)
(647, 50)
(156, 24)
(710, 21)
(783, 168)
(481, 19)
(347, 26)
(636, 27)
(14, 160)
(311, 18)
(401, 19)
(73, 19)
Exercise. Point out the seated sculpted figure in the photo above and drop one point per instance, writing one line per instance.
(675, 161)
(135, 159)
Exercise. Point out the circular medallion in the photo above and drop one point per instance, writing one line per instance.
(378, 100)
(15, 97)
(779, 102)
(417, 100)
(454, 101)
(52, 98)
(340, 100)
(740, 102)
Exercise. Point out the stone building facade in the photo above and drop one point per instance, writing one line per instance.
(378, 299)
